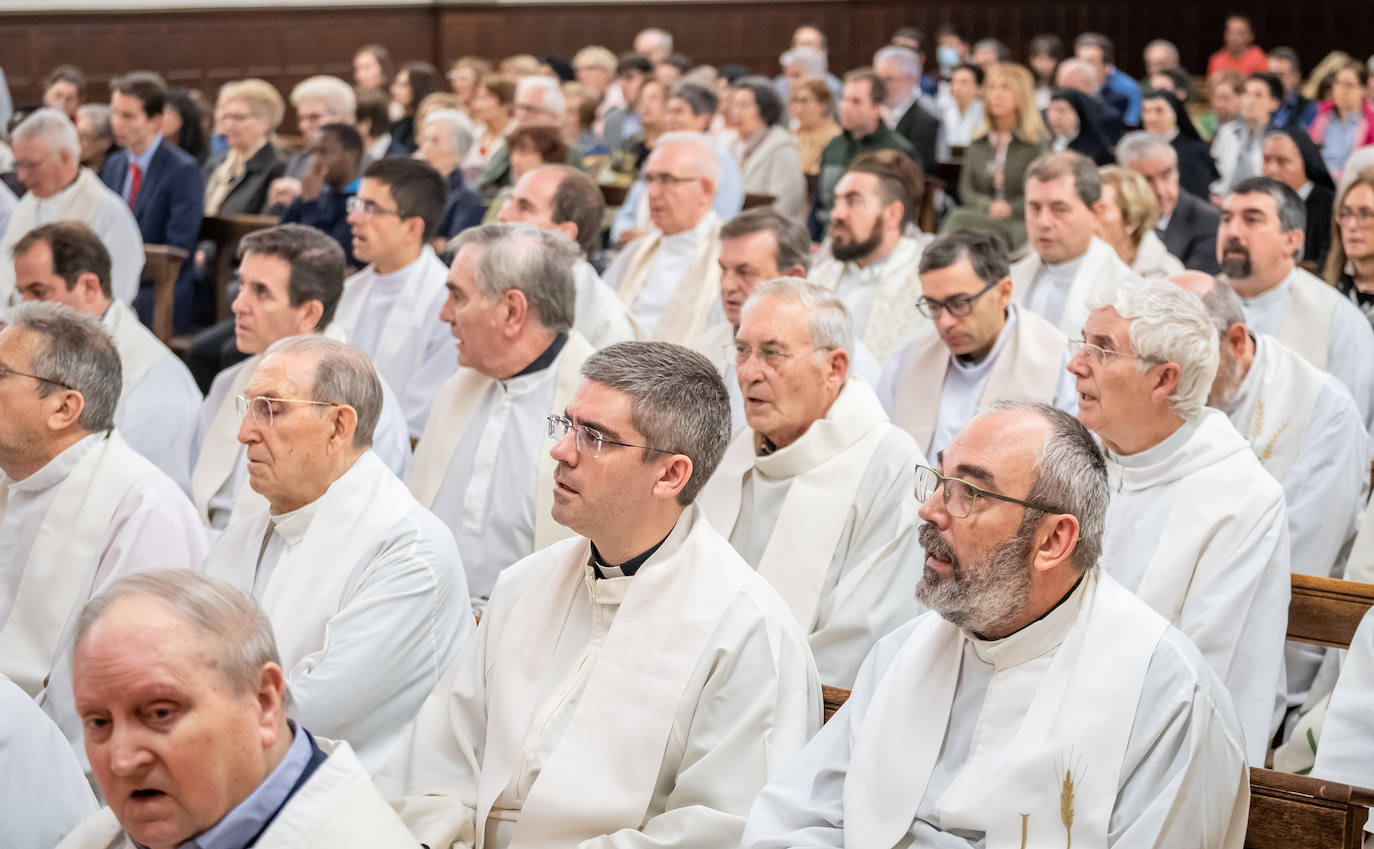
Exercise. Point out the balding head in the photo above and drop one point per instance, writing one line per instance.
(1078, 75)
(682, 174)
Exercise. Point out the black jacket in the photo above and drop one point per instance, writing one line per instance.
(1192, 233)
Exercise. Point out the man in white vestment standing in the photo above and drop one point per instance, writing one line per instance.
(47, 159)
(562, 198)
(985, 348)
(390, 309)
(291, 279)
(634, 686)
(184, 703)
(65, 263)
(43, 793)
(1197, 528)
(364, 586)
(482, 465)
(669, 277)
(78, 507)
(1263, 227)
(1066, 263)
(1041, 704)
(1306, 431)
(872, 265)
(820, 481)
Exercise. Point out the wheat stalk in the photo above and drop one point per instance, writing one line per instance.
(1066, 807)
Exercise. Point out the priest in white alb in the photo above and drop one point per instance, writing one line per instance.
(562, 198)
(1263, 228)
(291, 277)
(1345, 752)
(1040, 704)
(872, 265)
(1065, 264)
(985, 348)
(364, 586)
(43, 793)
(483, 464)
(64, 262)
(820, 481)
(390, 309)
(78, 507)
(1197, 527)
(47, 158)
(669, 277)
(636, 685)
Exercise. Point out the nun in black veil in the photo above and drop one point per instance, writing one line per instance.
(1163, 114)
(1077, 125)
(1292, 158)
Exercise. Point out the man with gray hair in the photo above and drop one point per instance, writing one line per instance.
(1197, 528)
(184, 701)
(819, 482)
(900, 71)
(81, 508)
(47, 159)
(502, 755)
(1160, 55)
(798, 63)
(1306, 431)
(480, 465)
(977, 723)
(1263, 226)
(1187, 223)
(363, 585)
(654, 44)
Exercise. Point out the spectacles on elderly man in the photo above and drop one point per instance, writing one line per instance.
(1097, 355)
(589, 441)
(264, 407)
(960, 494)
(6, 371)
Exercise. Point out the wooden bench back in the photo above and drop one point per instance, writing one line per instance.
(162, 264)
(1326, 611)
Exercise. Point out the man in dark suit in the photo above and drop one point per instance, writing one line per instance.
(900, 70)
(161, 183)
(1187, 224)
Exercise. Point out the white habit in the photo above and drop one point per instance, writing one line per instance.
(1346, 750)
(640, 710)
(88, 201)
(670, 283)
(881, 297)
(395, 319)
(1198, 529)
(43, 793)
(1059, 293)
(931, 393)
(159, 400)
(366, 596)
(598, 313)
(1311, 317)
(219, 462)
(483, 465)
(949, 740)
(811, 516)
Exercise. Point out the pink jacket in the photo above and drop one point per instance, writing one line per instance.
(1364, 132)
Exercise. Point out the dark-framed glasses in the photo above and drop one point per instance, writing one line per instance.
(960, 494)
(359, 206)
(588, 440)
(6, 371)
(958, 306)
(1363, 216)
(264, 408)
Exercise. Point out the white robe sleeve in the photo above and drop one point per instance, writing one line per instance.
(1346, 750)
(434, 363)
(43, 794)
(1350, 357)
(158, 418)
(1326, 488)
(118, 229)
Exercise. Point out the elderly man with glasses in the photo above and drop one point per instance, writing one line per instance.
(633, 686)
(1040, 703)
(79, 508)
(985, 347)
(820, 480)
(364, 587)
(1197, 528)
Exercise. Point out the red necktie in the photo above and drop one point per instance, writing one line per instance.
(136, 184)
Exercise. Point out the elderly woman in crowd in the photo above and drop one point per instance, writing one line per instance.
(1294, 160)
(1073, 120)
(493, 109)
(992, 179)
(464, 75)
(1163, 114)
(236, 181)
(809, 106)
(446, 135)
(579, 115)
(97, 137)
(413, 83)
(1126, 220)
(769, 156)
(1345, 122)
(1350, 263)
(530, 147)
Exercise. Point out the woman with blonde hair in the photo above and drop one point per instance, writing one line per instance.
(1126, 220)
(247, 113)
(809, 108)
(1350, 262)
(993, 177)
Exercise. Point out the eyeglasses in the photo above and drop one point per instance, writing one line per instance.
(588, 441)
(666, 180)
(960, 494)
(6, 371)
(1364, 216)
(1096, 354)
(771, 356)
(263, 407)
(357, 206)
(527, 109)
(958, 306)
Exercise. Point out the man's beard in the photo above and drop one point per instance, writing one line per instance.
(1227, 383)
(856, 249)
(984, 597)
(1236, 266)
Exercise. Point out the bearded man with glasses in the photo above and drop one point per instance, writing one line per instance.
(985, 348)
(363, 585)
(1197, 528)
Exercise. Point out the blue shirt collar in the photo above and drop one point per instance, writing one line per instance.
(146, 158)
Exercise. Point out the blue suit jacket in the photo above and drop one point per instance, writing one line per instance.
(170, 201)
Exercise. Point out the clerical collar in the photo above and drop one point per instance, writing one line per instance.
(545, 359)
(969, 365)
(1073, 589)
(1067, 269)
(629, 567)
(1161, 450)
(1036, 638)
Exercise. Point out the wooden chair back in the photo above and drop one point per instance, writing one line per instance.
(226, 231)
(613, 195)
(1300, 812)
(1326, 611)
(162, 264)
(834, 698)
(928, 217)
(752, 200)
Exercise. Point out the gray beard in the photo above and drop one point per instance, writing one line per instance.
(982, 598)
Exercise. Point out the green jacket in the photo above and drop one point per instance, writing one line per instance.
(835, 158)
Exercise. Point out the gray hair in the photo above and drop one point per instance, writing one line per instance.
(1139, 144)
(75, 350)
(986, 253)
(677, 401)
(54, 128)
(99, 116)
(1073, 66)
(211, 606)
(538, 263)
(1292, 211)
(1166, 45)
(794, 243)
(699, 98)
(1087, 183)
(1222, 303)
(908, 63)
(831, 327)
(343, 375)
(812, 59)
(459, 129)
(1070, 476)
(1168, 325)
(338, 96)
(551, 95)
(708, 165)
(662, 36)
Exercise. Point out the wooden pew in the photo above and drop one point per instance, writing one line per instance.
(613, 195)
(928, 216)
(752, 200)
(226, 231)
(834, 698)
(162, 263)
(1326, 611)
